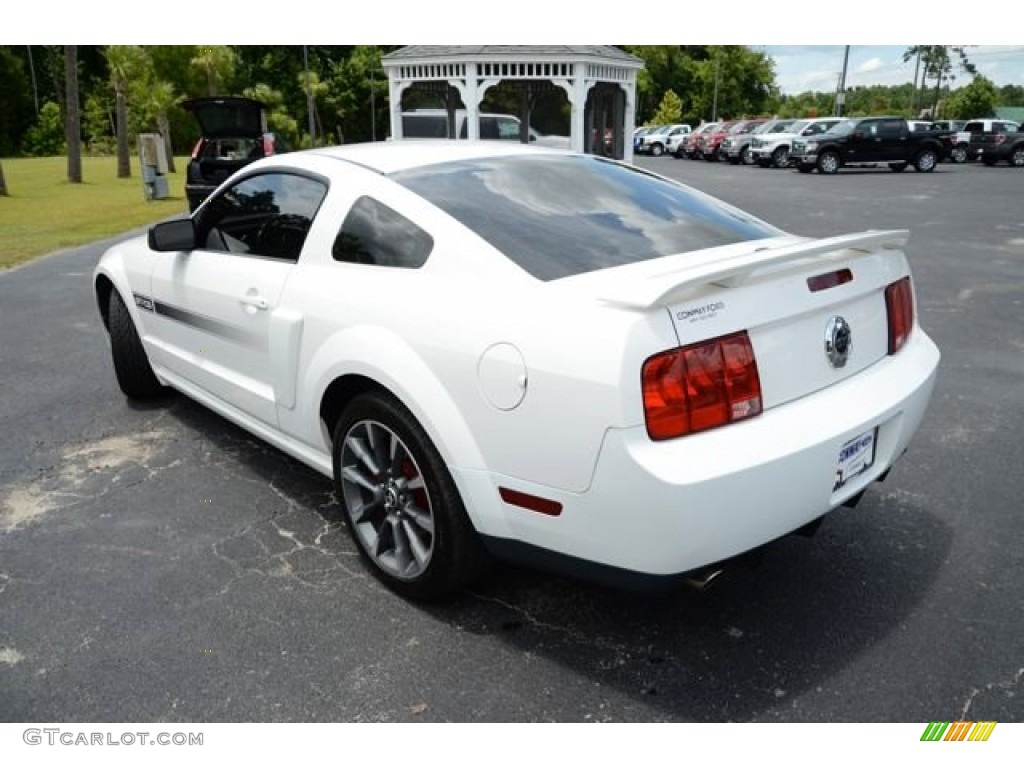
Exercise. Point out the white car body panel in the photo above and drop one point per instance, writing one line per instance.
(536, 385)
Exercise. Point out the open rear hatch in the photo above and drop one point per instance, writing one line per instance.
(228, 117)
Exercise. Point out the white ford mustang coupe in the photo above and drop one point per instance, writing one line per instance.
(529, 354)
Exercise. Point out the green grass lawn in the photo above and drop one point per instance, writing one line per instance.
(44, 212)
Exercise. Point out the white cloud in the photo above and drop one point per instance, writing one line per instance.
(870, 65)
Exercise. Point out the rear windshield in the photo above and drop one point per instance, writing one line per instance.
(562, 215)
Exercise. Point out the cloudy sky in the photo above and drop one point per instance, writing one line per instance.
(816, 67)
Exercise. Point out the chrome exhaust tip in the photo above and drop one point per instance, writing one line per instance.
(701, 581)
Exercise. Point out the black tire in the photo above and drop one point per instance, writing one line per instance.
(958, 154)
(134, 374)
(926, 161)
(745, 157)
(828, 163)
(415, 488)
(897, 167)
(1016, 158)
(780, 157)
(657, 150)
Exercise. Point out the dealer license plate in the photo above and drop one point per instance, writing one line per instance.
(855, 457)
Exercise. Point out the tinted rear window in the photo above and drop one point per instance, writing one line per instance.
(557, 215)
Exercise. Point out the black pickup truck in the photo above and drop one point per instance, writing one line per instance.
(990, 148)
(869, 141)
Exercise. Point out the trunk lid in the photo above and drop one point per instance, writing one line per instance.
(788, 294)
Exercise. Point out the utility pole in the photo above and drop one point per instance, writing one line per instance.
(309, 98)
(913, 90)
(841, 90)
(714, 103)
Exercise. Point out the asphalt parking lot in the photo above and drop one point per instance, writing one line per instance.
(159, 564)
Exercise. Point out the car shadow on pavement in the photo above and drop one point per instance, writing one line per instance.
(748, 645)
(756, 637)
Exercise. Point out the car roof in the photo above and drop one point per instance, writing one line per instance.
(393, 156)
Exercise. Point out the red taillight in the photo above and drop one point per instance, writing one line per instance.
(899, 304)
(700, 387)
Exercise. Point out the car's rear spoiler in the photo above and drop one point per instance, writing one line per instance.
(664, 287)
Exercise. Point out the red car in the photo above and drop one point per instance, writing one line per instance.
(711, 145)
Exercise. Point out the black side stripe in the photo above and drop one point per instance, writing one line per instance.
(202, 322)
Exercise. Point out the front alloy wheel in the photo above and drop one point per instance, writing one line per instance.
(828, 162)
(958, 154)
(1017, 158)
(657, 149)
(780, 157)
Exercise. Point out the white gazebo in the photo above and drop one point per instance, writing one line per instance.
(599, 80)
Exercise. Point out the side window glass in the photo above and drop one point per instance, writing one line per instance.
(508, 129)
(373, 233)
(892, 128)
(488, 128)
(266, 215)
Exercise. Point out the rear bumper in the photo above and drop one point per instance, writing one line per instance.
(668, 508)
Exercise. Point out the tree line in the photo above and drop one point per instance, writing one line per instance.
(122, 90)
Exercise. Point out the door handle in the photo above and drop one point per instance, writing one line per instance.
(256, 302)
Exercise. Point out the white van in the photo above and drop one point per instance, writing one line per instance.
(433, 124)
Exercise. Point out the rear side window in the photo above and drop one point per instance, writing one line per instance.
(557, 216)
(373, 233)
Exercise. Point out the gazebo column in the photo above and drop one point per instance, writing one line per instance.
(629, 121)
(577, 90)
(395, 89)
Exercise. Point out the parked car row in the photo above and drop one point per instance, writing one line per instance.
(830, 143)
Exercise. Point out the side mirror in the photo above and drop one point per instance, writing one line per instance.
(171, 236)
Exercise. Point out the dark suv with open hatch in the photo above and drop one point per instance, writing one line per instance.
(234, 134)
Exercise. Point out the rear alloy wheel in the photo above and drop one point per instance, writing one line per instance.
(134, 374)
(828, 162)
(897, 167)
(780, 157)
(401, 505)
(746, 157)
(925, 161)
(958, 154)
(1017, 157)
